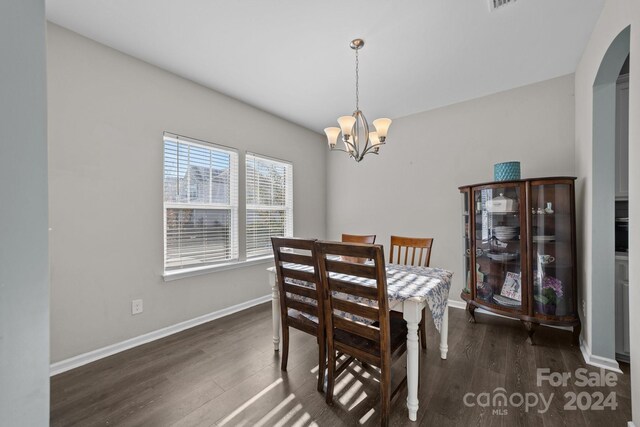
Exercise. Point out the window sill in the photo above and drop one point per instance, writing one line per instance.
(170, 276)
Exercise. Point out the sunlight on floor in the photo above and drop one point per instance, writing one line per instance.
(366, 416)
(272, 418)
(350, 392)
(356, 402)
(277, 409)
(249, 402)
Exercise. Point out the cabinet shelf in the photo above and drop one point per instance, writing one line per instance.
(556, 265)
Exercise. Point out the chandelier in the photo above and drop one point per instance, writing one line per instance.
(357, 139)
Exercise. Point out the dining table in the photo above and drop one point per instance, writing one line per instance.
(410, 289)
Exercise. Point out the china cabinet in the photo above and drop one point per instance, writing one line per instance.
(519, 251)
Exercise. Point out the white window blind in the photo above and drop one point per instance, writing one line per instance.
(269, 203)
(200, 203)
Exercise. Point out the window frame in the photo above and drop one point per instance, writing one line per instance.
(287, 207)
(232, 206)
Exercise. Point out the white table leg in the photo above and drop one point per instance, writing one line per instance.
(444, 333)
(412, 313)
(275, 310)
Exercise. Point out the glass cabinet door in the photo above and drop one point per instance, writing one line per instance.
(499, 249)
(552, 250)
(466, 242)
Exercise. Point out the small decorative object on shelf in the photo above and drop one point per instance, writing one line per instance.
(506, 171)
(549, 208)
(520, 241)
(502, 204)
(548, 294)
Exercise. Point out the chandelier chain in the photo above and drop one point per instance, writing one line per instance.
(357, 82)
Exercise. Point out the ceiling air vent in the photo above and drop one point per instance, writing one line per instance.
(495, 4)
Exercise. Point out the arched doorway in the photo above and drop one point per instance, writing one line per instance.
(602, 255)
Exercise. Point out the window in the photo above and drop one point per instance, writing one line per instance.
(269, 203)
(200, 203)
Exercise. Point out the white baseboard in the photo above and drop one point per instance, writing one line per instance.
(92, 356)
(598, 361)
(631, 424)
(457, 304)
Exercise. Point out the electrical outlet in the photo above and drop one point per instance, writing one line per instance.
(136, 306)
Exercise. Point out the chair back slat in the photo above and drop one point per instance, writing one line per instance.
(360, 329)
(296, 258)
(341, 296)
(292, 273)
(405, 244)
(304, 297)
(362, 354)
(338, 285)
(303, 291)
(361, 310)
(301, 325)
(360, 270)
(304, 307)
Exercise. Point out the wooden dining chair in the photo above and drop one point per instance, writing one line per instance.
(406, 249)
(358, 238)
(374, 337)
(301, 295)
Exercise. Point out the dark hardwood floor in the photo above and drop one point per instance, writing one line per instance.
(225, 373)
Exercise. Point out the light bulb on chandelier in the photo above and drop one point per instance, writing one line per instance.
(357, 139)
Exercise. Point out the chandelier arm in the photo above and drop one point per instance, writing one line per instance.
(365, 129)
(339, 149)
(372, 148)
(344, 151)
(355, 149)
(367, 147)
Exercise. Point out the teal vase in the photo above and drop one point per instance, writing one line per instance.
(507, 171)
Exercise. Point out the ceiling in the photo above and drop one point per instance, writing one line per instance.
(292, 57)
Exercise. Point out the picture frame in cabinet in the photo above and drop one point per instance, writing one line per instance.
(512, 287)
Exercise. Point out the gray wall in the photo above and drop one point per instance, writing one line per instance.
(411, 189)
(24, 283)
(107, 112)
(616, 16)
